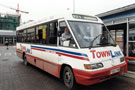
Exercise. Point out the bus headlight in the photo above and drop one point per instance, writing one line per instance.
(93, 66)
(122, 59)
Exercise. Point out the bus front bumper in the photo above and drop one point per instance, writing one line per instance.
(93, 77)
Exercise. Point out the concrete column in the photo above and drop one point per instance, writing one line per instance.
(13, 40)
(3, 39)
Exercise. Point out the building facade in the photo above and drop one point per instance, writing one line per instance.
(8, 24)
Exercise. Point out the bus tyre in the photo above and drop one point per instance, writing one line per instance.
(25, 61)
(68, 78)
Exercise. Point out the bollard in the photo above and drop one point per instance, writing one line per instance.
(126, 67)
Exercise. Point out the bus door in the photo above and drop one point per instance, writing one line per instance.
(66, 43)
(61, 30)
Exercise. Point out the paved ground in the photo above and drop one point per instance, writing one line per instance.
(131, 67)
(15, 76)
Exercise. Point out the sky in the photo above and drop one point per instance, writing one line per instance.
(39, 9)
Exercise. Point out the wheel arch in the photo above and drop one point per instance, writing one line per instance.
(62, 69)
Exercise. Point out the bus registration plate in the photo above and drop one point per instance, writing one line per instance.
(114, 70)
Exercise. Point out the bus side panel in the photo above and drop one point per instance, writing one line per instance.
(40, 64)
(51, 68)
(45, 60)
(30, 59)
(19, 52)
(43, 64)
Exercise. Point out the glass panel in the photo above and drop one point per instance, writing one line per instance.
(113, 34)
(119, 38)
(91, 35)
(132, 35)
(131, 25)
(131, 42)
(132, 31)
(66, 38)
(52, 34)
(1, 40)
(132, 49)
(10, 40)
(119, 34)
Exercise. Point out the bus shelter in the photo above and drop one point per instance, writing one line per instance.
(123, 32)
(121, 23)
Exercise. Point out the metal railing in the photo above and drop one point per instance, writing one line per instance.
(126, 59)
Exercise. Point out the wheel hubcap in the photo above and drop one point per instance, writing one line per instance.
(67, 77)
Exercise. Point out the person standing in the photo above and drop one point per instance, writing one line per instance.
(6, 43)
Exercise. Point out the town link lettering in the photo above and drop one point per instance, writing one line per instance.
(116, 54)
(100, 54)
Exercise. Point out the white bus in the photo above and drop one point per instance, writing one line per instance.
(87, 55)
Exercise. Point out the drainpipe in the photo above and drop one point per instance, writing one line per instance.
(127, 53)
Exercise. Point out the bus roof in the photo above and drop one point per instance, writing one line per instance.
(74, 17)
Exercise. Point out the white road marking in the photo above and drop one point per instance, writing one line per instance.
(7, 54)
(0, 54)
(10, 54)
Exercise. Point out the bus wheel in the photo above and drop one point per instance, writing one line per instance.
(68, 78)
(25, 61)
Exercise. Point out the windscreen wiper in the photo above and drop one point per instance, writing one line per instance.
(91, 43)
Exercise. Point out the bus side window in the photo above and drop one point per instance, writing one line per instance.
(44, 33)
(41, 34)
(66, 38)
(25, 35)
(31, 35)
(20, 36)
(62, 26)
(36, 35)
(52, 33)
